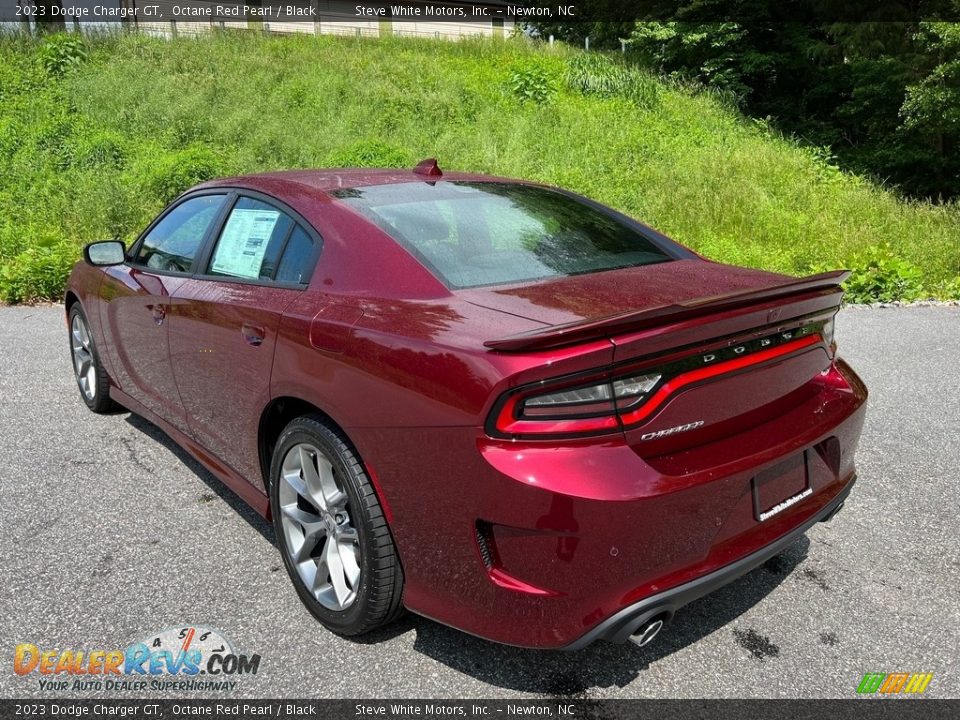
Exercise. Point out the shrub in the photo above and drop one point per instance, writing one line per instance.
(38, 273)
(880, 276)
(62, 52)
(533, 84)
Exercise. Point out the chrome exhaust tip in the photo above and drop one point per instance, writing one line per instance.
(646, 632)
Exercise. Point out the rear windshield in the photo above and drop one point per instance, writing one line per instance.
(485, 233)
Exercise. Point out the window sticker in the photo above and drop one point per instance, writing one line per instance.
(243, 243)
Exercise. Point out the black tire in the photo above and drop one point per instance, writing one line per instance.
(99, 399)
(378, 592)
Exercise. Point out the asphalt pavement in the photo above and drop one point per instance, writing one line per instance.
(111, 533)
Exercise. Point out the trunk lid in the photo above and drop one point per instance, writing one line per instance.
(565, 300)
(620, 302)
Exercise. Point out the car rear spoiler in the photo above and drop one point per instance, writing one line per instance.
(592, 329)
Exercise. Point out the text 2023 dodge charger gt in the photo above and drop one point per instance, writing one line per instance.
(500, 405)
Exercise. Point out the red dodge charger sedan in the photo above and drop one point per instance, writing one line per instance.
(498, 404)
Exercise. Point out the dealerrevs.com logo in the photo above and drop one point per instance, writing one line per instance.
(187, 659)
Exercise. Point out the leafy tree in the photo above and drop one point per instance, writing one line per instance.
(868, 80)
(931, 109)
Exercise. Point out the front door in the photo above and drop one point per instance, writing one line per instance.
(138, 297)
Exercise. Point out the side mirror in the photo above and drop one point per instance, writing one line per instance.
(107, 252)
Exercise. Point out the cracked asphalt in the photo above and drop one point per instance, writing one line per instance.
(110, 533)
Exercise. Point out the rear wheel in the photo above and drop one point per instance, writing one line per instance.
(91, 376)
(331, 530)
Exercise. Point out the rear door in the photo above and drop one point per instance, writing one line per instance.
(137, 298)
(224, 322)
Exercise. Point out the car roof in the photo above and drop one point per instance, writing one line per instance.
(326, 181)
(311, 193)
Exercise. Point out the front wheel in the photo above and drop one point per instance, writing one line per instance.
(331, 531)
(91, 376)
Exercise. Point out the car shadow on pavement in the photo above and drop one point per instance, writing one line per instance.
(569, 675)
(216, 487)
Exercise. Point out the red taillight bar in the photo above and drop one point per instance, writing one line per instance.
(674, 384)
(508, 423)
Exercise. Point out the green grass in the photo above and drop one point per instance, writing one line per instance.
(93, 149)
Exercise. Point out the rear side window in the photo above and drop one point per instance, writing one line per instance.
(172, 244)
(261, 242)
(295, 263)
(491, 233)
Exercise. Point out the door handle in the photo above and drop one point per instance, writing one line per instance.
(252, 334)
(159, 314)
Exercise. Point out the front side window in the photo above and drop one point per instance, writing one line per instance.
(261, 242)
(172, 244)
(491, 233)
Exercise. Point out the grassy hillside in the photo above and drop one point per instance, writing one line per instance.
(94, 140)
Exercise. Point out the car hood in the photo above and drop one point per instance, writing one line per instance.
(596, 295)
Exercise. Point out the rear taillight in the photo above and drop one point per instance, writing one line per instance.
(574, 410)
(580, 410)
(603, 397)
(622, 399)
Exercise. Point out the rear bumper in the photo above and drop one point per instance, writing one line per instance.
(619, 627)
(554, 545)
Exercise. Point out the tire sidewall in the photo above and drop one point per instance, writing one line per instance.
(307, 431)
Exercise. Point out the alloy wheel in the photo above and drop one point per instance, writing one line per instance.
(83, 361)
(320, 539)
